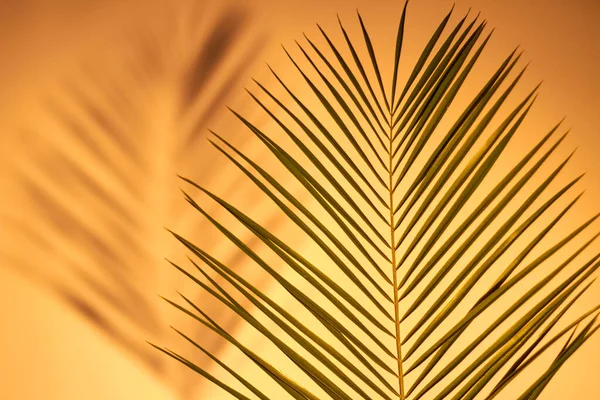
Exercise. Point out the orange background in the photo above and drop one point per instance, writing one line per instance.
(50, 353)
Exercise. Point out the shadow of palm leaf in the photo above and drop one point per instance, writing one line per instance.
(98, 188)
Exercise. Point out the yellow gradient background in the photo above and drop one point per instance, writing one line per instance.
(48, 352)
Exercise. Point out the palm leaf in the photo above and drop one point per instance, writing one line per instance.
(95, 180)
(431, 272)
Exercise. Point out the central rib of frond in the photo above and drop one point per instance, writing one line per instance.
(394, 267)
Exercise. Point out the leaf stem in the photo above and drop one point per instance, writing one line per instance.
(394, 269)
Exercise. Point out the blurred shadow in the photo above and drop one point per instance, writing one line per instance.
(99, 187)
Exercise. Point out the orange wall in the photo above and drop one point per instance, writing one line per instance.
(47, 353)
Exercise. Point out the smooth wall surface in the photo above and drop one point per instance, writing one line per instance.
(50, 353)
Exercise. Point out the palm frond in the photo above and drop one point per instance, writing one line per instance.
(434, 268)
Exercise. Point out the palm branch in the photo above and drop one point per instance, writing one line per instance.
(429, 269)
(96, 179)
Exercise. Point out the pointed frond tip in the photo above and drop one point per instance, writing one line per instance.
(422, 266)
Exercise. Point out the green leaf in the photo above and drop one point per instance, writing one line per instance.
(405, 224)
